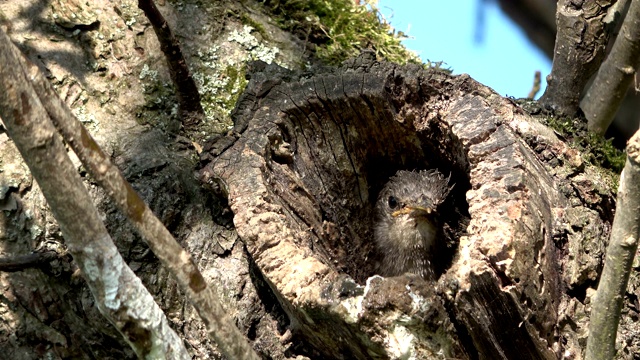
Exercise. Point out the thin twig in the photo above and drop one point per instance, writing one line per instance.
(536, 85)
(189, 107)
(118, 292)
(27, 261)
(607, 303)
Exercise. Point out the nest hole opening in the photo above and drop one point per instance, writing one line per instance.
(348, 209)
(335, 142)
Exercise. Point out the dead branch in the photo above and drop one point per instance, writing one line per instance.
(27, 261)
(118, 292)
(189, 107)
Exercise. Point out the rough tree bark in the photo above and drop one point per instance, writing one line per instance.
(313, 157)
(581, 39)
(303, 167)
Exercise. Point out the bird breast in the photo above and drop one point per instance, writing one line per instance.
(412, 233)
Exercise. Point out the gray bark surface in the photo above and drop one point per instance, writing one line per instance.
(581, 39)
(290, 243)
(104, 61)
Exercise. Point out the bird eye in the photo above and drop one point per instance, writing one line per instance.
(393, 203)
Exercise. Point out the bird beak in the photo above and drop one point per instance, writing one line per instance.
(413, 210)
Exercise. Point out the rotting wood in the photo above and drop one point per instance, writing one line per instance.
(305, 163)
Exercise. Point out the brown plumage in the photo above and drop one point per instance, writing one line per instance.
(407, 224)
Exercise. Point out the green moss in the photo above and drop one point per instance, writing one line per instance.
(603, 152)
(438, 66)
(247, 20)
(220, 86)
(236, 84)
(342, 29)
(595, 148)
(159, 98)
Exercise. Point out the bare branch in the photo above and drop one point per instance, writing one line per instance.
(189, 107)
(580, 44)
(614, 77)
(220, 326)
(537, 77)
(607, 303)
(118, 292)
(27, 261)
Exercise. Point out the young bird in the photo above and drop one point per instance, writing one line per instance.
(408, 225)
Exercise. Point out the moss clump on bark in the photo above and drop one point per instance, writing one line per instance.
(341, 29)
(598, 150)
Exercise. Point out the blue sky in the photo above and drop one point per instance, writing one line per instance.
(446, 30)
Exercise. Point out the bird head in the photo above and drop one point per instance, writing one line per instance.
(415, 194)
(408, 224)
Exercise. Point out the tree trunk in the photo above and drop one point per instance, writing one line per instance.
(304, 166)
(282, 220)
